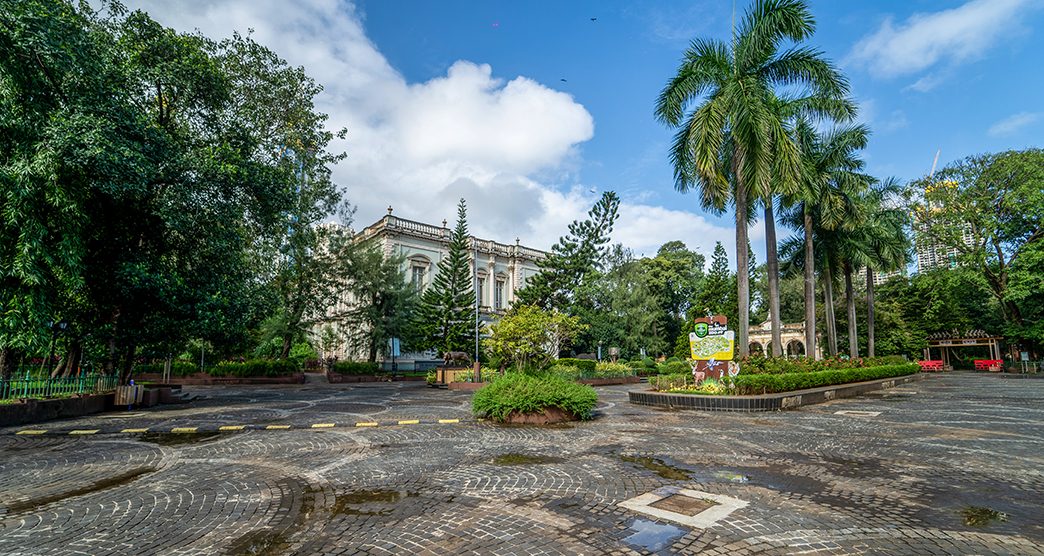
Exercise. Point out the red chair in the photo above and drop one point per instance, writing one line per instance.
(988, 365)
(931, 365)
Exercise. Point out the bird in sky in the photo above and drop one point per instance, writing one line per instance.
(563, 81)
(594, 19)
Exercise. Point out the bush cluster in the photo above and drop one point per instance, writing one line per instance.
(673, 367)
(519, 392)
(785, 382)
(177, 368)
(780, 365)
(356, 368)
(256, 368)
(586, 365)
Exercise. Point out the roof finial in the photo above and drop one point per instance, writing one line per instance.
(517, 240)
(443, 222)
(389, 210)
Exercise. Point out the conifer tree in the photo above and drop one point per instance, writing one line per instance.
(573, 258)
(447, 308)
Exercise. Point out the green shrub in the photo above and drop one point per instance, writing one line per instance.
(673, 368)
(605, 369)
(680, 381)
(431, 377)
(256, 368)
(567, 372)
(518, 392)
(356, 368)
(780, 365)
(648, 362)
(784, 382)
(673, 360)
(585, 365)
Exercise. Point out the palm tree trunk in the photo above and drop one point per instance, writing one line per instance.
(742, 270)
(772, 268)
(828, 306)
(853, 338)
(869, 312)
(810, 287)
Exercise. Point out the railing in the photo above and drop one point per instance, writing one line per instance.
(30, 387)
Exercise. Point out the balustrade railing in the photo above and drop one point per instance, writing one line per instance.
(30, 387)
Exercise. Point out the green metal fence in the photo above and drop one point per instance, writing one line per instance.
(30, 387)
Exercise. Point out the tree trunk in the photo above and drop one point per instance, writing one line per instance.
(742, 270)
(127, 365)
(8, 360)
(828, 306)
(287, 344)
(109, 367)
(869, 312)
(853, 338)
(772, 269)
(810, 287)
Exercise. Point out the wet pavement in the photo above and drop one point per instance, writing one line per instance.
(952, 464)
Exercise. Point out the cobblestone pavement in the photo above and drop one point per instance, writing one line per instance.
(925, 475)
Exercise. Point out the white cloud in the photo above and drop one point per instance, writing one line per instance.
(1014, 123)
(947, 36)
(509, 146)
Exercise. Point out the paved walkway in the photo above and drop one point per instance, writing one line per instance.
(953, 464)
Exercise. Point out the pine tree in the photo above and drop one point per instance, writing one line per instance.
(447, 308)
(718, 294)
(573, 258)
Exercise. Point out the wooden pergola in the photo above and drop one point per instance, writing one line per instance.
(946, 341)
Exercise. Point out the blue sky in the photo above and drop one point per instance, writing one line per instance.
(449, 99)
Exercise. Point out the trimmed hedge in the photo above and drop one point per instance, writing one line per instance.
(747, 384)
(256, 368)
(673, 368)
(530, 394)
(585, 365)
(356, 368)
(782, 365)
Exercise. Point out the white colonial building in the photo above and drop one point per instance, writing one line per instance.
(502, 269)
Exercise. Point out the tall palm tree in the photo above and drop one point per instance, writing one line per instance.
(887, 242)
(831, 180)
(733, 146)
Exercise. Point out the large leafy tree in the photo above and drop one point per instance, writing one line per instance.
(736, 142)
(528, 336)
(998, 201)
(446, 315)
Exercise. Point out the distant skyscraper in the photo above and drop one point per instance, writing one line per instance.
(930, 253)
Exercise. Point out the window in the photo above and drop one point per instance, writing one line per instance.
(481, 289)
(417, 277)
(498, 295)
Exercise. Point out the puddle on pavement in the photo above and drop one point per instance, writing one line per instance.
(659, 467)
(652, 536)
(274, 542)
(367, 502)
(524, 459)
(109, 482)
(177, 438)
(978, 516)
(731, 477)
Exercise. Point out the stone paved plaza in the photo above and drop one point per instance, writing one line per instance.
(952, 464)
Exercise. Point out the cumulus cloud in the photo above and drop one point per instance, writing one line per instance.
(507, 145)
(1014, 123)
(927, 39)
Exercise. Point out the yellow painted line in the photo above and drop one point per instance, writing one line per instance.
(184, 430)
(410, 422)
(232, 428)
(366, 424)
(31, 431)
(277, 427)
(323, 426)
(448, 421)
(134, 430)
(84, 431)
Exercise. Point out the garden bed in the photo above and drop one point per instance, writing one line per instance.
(203, 379)
(767, 402)
(35, 411)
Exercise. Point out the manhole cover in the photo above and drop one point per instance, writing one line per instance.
(685, 505)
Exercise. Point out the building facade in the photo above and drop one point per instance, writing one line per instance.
(500, 269)
(792, 337)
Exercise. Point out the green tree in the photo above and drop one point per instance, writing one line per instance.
(997, 200)
(573, 258)
(446, 315)
(528, 336)
(381, 304)
(736, 142)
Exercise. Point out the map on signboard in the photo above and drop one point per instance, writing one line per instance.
(719, 347)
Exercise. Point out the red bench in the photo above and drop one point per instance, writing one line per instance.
(988, 364)
(931, 365)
